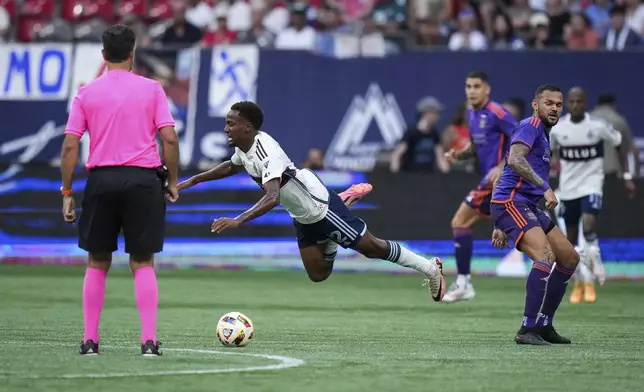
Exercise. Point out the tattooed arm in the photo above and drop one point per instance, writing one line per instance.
(496, 182)
(518, 162)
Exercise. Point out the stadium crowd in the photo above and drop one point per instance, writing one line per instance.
(334, 27)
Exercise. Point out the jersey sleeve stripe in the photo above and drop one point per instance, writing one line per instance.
(496, 109)
(521, 142)
(261, 153)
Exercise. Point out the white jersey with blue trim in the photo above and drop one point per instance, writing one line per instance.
(302, 193)
(580, 147)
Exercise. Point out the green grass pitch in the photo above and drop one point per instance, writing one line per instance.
(354, 332)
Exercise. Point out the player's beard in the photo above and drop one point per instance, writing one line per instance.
(546, 119)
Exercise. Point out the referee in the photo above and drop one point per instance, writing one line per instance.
(127, 182)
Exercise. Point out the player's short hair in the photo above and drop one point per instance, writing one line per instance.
(547, 87)
(606, 99)
(250, 112)
(118, 43)
(478, 75)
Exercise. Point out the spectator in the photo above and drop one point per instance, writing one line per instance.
(606, 110)
(198, 13)
(503, 34)
(139, 27)
(258, 34)
(620, 36)
(559, 17)
(519, 13)
(457, 136)
(372, 42)
(314, 160)
(391, 15)
(538, 5)
(221, 35)
(298, 36)
(598, 12)
(240, 16)
(541, 38)
(5, 24)
(331, 25)
(467, 37)
(424, 9)
(580, 35)
(428, 35)
(420, 149)
(635, 16)
(181, 33)
(276, 17)
(355, 10)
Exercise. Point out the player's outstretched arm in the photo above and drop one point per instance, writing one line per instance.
(270, 200)
(518, 162)
(223, 170)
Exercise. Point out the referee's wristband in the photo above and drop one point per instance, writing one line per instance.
(627, 176)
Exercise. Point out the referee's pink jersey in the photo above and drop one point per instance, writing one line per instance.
(122, 113)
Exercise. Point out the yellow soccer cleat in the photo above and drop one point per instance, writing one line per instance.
(590, 295)
(577, 293)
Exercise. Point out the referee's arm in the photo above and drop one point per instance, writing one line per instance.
(165, 124)
(74, 130)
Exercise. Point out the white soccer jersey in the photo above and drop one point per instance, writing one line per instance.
(302, 193)
(580, 147)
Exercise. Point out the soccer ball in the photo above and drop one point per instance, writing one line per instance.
(235, 329)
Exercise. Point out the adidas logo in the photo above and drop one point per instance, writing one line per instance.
(90, 351)
(149, 351)
(348, 150)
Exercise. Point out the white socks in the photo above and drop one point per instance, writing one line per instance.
(406, 258)
(330, 251)
(463, 280)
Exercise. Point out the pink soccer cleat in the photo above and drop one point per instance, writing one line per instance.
(355, 193)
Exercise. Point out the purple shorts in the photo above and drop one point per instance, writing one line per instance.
(516, 218)
(479, 199)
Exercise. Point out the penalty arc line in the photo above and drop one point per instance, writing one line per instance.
(284, 363)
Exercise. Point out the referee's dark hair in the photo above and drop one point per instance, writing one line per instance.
(479, 75)
(250, 112)
(118, 43)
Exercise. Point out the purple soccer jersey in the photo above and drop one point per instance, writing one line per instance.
(490, 129)
(512, 187)
(514, 207)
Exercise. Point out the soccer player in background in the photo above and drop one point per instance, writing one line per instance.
(517, 216)
(577, 142)
(125, 190)
(490, 127)
(320, 216)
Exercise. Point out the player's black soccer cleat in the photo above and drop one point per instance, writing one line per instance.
(150, 349)
(530, 336)
(89, 348)
(550, 335)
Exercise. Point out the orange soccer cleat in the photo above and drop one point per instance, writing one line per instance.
(577, 293)
(590, 295)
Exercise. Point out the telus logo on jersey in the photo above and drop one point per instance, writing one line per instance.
(348, 150)
(581, 153)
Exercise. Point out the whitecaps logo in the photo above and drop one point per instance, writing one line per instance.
(348, 151)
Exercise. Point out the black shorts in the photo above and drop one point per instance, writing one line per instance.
(127, 198)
